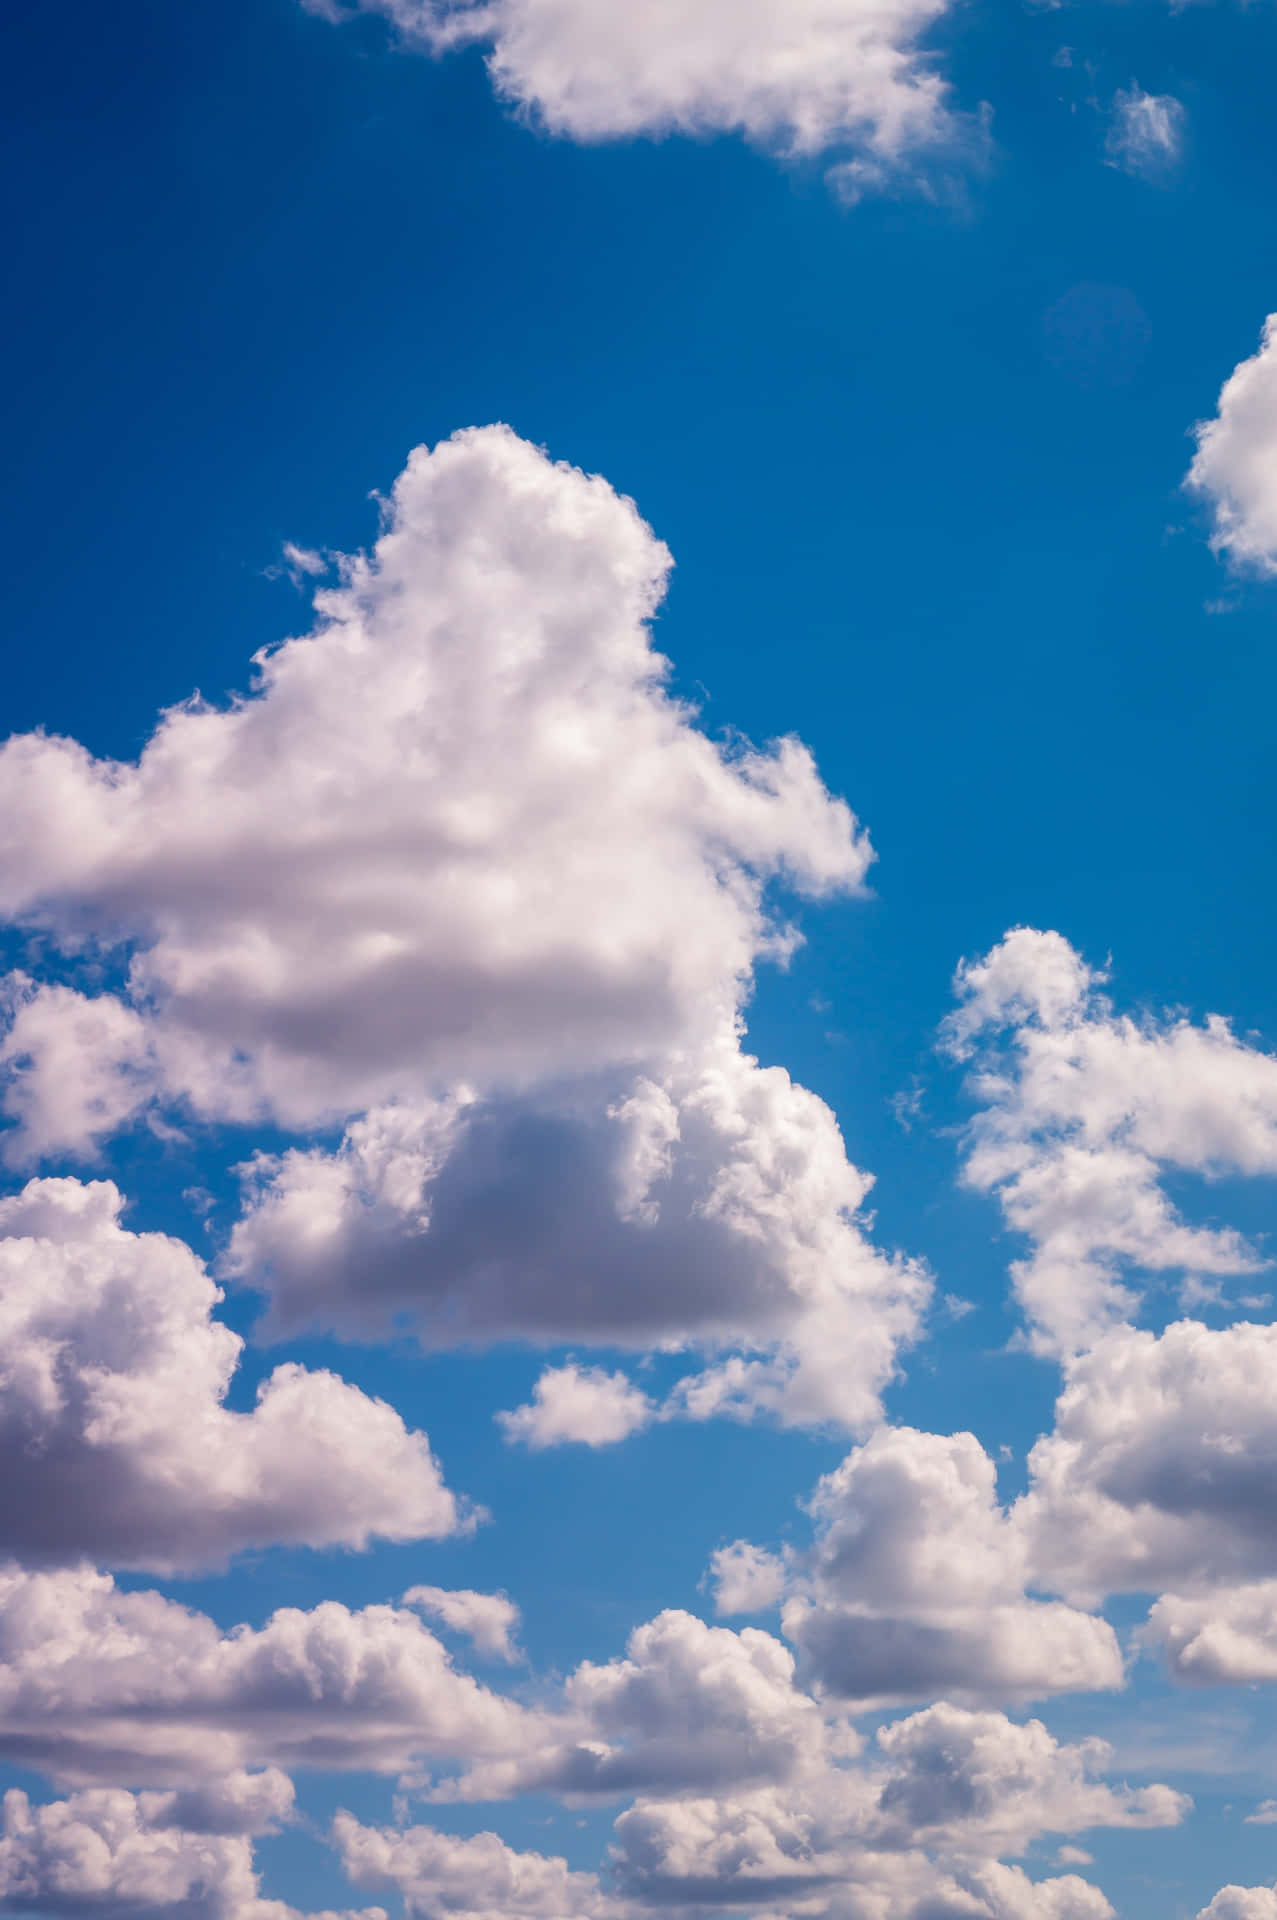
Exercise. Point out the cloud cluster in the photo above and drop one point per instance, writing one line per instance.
(1234, 470)
(838, 77)
(98, 1686)
(111, 1855)
(115, 1440)
(1083, 1111)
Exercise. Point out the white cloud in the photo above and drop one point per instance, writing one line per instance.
(115, 1441)
(835, 77)
(1235, 467)
(487, 1619)
(1265, 1815)
(1083, 1110)
(708, 1206)
(912, 1833)
(1223, 1637)
(915, 1585)
(1162, 1467)
(690, 1708)
(1242, 1903)
(1145, 133)
(746, 1578)
(99, 1686)
(460, 829)
(582, 1404)
(113, 1855)
(479, 1878)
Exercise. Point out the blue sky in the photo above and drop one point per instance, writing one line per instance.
(920, 462)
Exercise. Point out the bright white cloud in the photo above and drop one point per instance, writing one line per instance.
(115, 1441)
(844, 78)
(1162, 1467)
(1235, 467)
(488, 1619)
(915, 1585)
(99, 1686)
(711, 1206)
(582, 1404)
(1082, 1112)
(460, 829)
(746, 1578)
(1223, 1637)
(115, 1856)
(1145, 133)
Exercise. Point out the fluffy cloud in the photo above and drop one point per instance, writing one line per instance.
(1242, 1903)
(487, 1619)
(1083, 1110)
(711, 1206)
(113, 1855)
(815, 76)
(746, 1578)
(114, 1437)
(479, 1878)
(1162, 1467)
(915, 1585)
(460, 829)
(99, 1686)
(690, 1708)
(1235, 467)
(947, 1786)
(581, 1404)
(1225, 1637)
(1145, 133)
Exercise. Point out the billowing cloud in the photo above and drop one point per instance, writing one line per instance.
(110, 1855)
(581, 1404)
(746, 1579)
(100, 1686)
(1161, 1470)
(915, 1585)
(1145, 133)
(1226, 1636)
(460, 830)
(115, 1439)
(711, 1206)
(837, 77)
(1235, 467)
(1083, 1111)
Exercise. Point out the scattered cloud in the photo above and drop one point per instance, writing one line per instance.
(1234, 471)
(1145, 133)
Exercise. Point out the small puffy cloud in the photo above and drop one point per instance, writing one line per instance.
(1223, 1637)
(1242, 1903)
(110, 1855)
(746, 1578)
(581, 1404)
(711, 1206)
(100, 1686)
(915, 1585)
(115, 1440)
(458, 831)
(489, 1620)
(1082, 1112)
(479, 1878)
(1234, 470)
(838, 77)
(1145, 133)
(1161, 1470)
(1265, 1815)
